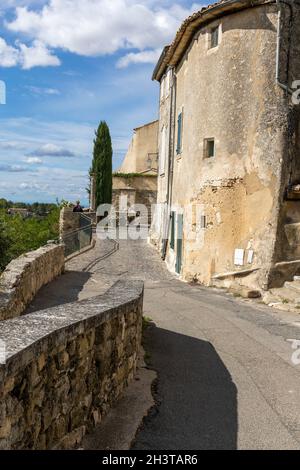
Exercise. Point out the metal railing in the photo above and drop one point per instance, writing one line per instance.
(80, 238)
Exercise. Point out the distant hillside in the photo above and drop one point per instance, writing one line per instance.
(38, 208)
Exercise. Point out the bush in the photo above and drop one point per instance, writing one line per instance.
(19, 235)
(5, 244)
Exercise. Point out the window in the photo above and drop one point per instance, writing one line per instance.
(203, 221)
(163, 151)
(168, 82)
(214, 37)
(209, 148)
(162, 89)
(179, 133)
(172, 237)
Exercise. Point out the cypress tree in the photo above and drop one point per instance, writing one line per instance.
(102, 164)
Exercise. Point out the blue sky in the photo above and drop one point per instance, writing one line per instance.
(68, 64)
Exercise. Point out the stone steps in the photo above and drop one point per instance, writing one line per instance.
(293, 285)
(286, 297)
(286, 294)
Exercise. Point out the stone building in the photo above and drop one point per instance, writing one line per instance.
(228, 202)
(142, 153)
(136, 180)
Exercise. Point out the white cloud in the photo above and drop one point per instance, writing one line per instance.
(52, 150)
(144, 57)
(26, 56)
(12, 168)
(33, 160)
(99, 27)
(37, 55)
(9, 56)
(34, 186)
(42, 91)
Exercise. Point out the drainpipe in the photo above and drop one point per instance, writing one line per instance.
(284, 86)
(170, 165)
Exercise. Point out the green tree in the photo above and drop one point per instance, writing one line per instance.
(4, 246)
(102, 164)
(19, 235)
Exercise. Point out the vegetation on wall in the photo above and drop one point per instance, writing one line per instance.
(102, 164)
(132, 175)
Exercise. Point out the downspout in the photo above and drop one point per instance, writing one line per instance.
(170, 165)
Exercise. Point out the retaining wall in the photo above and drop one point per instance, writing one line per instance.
(66, 366)
(25, 275)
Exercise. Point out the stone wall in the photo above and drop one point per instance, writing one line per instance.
(75, 231)
(25, 275)
(230, 201)
(69, 221)
(137, 189)
(68, 366)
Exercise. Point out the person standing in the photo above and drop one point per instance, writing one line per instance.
(78, 207)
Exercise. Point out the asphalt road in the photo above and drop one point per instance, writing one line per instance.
(225, 375)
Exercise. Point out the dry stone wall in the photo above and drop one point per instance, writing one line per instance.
(69, 221)
(66, 366)
(25, 275)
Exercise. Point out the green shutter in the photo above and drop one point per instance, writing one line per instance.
(172, 237)
(179, 133)
(179, 245)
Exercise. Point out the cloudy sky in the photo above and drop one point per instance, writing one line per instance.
(67, 64)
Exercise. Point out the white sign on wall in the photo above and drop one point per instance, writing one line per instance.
(239, 257)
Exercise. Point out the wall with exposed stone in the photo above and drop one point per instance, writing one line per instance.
(239, 191)
(69, 221)
(129, 191)
(67, 368)
(24, 276)
(75, 230)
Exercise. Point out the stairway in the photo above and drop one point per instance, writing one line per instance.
(286, 297)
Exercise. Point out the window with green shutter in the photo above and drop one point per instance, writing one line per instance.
(179, 134)
(172, 237)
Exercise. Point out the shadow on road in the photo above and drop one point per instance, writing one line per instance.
(63, 290)
(197, 400)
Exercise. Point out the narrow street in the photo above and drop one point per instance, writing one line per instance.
(225, 376)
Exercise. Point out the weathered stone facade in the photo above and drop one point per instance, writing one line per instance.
(134, 190)
(136, 179)
(66, 366)
(24, 277)
(230, 95)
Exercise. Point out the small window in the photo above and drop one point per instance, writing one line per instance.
(214, 37)
(163, 151)
(172, 238)
(162, 89)
(203, 221)
(209, 148)
(179, 134)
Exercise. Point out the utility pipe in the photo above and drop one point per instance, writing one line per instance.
(170, 163)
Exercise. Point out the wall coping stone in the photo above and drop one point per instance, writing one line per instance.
(27, 336)
(18, 273)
